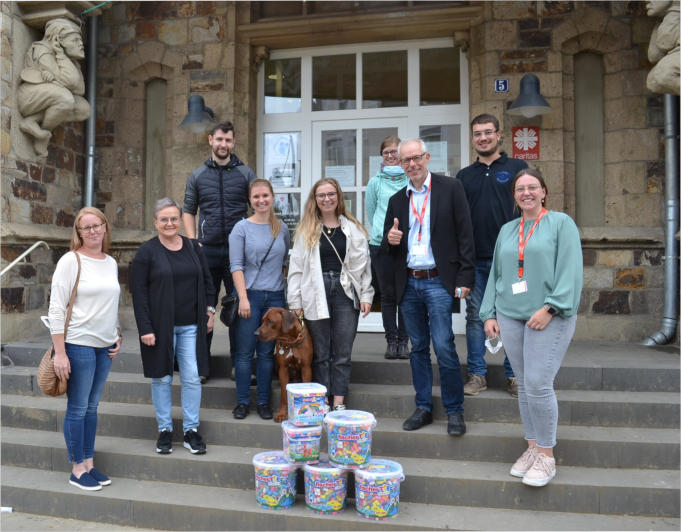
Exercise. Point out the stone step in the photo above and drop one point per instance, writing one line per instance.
(171, 506)
(587, 365)
(577, 407)
(500, 442)
(444, 482)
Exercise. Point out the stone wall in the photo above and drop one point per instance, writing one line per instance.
(622, 296)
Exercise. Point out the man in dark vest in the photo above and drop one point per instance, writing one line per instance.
(218, 190)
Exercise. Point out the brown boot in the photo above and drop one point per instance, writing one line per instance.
(475, 384)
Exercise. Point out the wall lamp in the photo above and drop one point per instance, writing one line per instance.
(529, 102)
(199, 117)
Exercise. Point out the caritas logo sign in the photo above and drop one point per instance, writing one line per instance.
(526, 143)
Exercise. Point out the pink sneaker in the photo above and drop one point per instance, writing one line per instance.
(542, 471)
(524, 463)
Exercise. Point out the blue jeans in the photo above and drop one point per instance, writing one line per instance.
(89, 369)
(537, 356)
(246, 344)
(184, 345)
(427, 310)
(333, 337)
(475, 330)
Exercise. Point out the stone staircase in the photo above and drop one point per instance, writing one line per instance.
(618, 449)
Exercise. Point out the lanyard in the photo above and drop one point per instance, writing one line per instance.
(522, 242)
(421, 216)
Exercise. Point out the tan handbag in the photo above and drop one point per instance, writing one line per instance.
(48, 381)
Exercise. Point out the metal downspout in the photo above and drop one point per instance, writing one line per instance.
(671, 250)
(89, 184)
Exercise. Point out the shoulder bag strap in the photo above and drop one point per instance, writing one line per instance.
(339, 259)
(73, 297)
(264, 258)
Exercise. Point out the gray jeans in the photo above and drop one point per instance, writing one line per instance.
(332, 338)
(536, 357)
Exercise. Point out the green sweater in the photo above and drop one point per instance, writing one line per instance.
(552, 269)
(379, 190)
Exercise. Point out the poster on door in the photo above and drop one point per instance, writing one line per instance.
(525, 142)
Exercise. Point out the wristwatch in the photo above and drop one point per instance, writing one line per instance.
(211, 309)
(550, 310)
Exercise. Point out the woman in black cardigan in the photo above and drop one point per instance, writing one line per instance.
(171, 291)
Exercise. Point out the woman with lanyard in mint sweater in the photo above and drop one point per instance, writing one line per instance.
(389, 179)
(531, 301)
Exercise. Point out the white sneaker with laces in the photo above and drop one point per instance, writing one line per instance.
(542, 471)
(338, 407)
(524, 463)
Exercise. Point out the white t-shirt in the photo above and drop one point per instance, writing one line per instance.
(94, 320)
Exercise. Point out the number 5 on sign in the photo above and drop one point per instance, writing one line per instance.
(501, 85)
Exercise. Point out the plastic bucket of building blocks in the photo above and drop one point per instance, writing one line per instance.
(349, 435)
(275, 480)
(306, 402)
(377, 489)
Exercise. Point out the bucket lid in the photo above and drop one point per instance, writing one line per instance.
(378, 468)
(306, 387)
(272, 459)
(350, 418)
(325, 467)
(296, 431)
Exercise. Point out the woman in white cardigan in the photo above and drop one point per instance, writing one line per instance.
(329, 280)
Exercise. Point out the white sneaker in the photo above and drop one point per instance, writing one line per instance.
(542, 471)
(336, 408)
(524, 463)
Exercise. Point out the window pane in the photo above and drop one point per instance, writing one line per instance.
(350, 199)
(282, 159)
(371, 147)
(439, 70)
(287, 207)
(282, 86)
(384, 79)
(333, 82)
(339, 159)
(444, 145)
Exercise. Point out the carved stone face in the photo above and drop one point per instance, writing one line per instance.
(657, 8)
(73, 45)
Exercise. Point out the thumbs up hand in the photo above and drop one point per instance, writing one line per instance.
(395, 235)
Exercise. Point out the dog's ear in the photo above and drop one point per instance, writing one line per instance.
(289, 321)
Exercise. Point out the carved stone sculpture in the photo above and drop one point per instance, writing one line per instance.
(664, 47)
(52, 86)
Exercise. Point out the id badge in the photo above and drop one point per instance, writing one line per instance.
(520, 287)
(419, 250)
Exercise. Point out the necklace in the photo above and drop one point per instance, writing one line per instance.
(330, 231)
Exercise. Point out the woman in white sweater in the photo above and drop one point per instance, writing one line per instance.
(329, 279)
(93, 340)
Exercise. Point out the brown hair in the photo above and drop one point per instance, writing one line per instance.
(275, 224)
(389, 141)
(310, 226)
(486, 118)
(77, 240)
(534, 173)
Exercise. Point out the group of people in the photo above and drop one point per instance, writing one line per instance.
(485, 237)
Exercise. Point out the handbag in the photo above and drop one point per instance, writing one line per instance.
(230, 303)
(47, 378)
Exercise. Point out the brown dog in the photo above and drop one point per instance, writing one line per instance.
(293, 352)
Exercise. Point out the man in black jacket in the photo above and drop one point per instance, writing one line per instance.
(218, 190)
(429, 234)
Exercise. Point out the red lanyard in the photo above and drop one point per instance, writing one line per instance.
(421, 216)
(522, 242)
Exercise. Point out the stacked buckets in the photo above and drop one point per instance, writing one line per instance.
(349, 432)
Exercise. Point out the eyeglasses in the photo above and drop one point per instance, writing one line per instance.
(172, 220)
(531, 188)
(415, 158)
(322, 195)
(486, 133)
(389, 153)
(96, 228)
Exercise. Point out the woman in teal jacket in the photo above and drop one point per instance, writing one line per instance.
(389, 179)
(531, 301)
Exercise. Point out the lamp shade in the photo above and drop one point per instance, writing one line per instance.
(199, 117)
(529, 102)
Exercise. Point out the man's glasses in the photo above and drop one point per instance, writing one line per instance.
(389, 153)
(96, 228)
(486, 133)
(172, 220)
(415, 158)
(531, 188)
(324, 195)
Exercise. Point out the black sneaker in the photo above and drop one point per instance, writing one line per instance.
(403, 350)
(240, 411)
(265, 411)
(193, 442)
(164, 444)
(391, 350)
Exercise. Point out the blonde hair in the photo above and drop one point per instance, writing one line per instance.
(275, 224)
(77, 240)
(310, 227)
